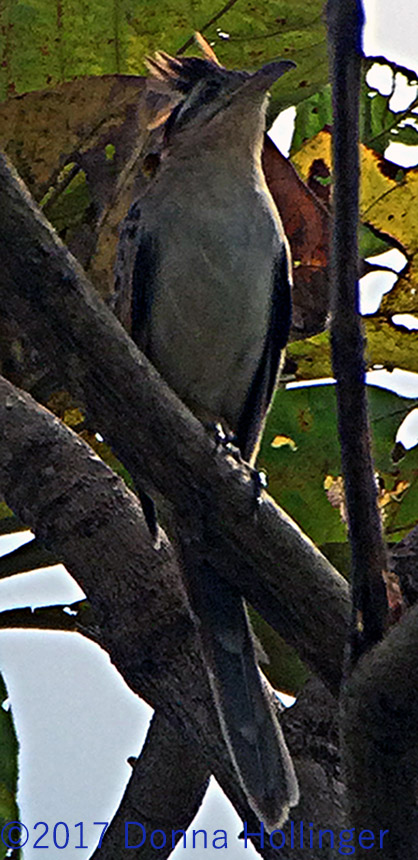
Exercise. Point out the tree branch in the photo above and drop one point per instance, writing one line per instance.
(80, 620)
(404, 561)
(45, 289)
(380, 732)
(345, 18)
(380, 702)
(167, 785)
(30, 556)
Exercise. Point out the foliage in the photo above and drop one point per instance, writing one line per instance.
(43, 44)
(302, 459)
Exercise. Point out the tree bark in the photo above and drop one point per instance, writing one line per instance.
(380, 742)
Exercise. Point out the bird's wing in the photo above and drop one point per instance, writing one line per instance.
(135, 275)
(134, 288)
(248, 720)
(264, 381)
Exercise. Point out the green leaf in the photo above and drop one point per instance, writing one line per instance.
(8, 766)
(402, 517)
(70, 208)
(339, 554)
(8, 522)
(387, 412)
(380, 124)
(370, 244)
(296, 477)
(284, 669)
(407, 134)
(44, 43)
(296, 474)
(381, 119)
(312, 357)
(312, 115)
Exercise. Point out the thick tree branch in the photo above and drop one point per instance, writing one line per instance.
(167, 785)
(404, 561)
(345, 18)
(158, 439)
(380, 730)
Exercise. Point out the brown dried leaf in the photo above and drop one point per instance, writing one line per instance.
(307, 225)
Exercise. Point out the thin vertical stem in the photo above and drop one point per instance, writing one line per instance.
(345, 21)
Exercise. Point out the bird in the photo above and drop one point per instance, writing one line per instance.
(204, 266)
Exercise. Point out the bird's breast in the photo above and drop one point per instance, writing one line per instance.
(212, 297)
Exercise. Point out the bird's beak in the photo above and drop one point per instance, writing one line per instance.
(261, 80)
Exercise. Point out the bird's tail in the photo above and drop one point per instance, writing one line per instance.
(247, 716)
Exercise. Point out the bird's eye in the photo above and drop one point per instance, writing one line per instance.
(210, 91)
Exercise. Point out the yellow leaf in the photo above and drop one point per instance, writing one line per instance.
(316, 149)
(280, 441)
(73, 417)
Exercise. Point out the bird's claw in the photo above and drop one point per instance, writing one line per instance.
(227, 441)
(260, 482)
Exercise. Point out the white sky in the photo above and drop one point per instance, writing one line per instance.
(77, 721)
(391, 30)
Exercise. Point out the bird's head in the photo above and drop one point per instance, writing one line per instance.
(204, 90)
